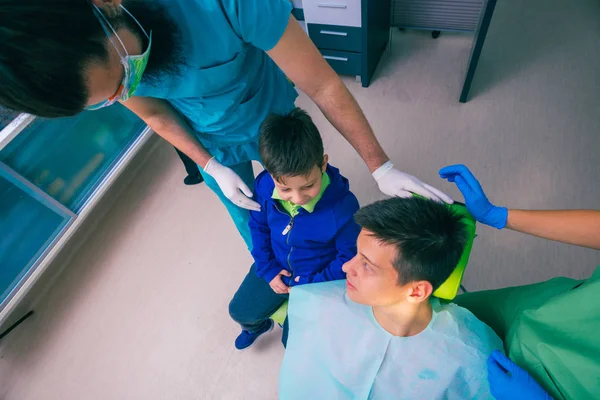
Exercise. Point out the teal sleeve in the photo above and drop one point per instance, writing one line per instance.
(259, 22)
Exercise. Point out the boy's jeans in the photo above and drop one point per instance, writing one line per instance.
(255, 302)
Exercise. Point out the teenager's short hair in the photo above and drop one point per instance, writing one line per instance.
(429, 237)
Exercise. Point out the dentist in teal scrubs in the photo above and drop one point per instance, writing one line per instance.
(203, 74)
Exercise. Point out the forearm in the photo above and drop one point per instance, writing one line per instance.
(264, 259)
(163, 119)
(578, 227)
(267, 268)
(346, 251)
(300, 60)
(266, 264)
(333, 272)
(344, 113)
(177, 132)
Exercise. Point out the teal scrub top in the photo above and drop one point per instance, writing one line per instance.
(227, 84)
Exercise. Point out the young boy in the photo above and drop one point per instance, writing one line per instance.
(380, 334)
(305, 230)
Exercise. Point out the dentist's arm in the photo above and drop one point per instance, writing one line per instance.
(578, 227)
(300, 60)
(163, 119)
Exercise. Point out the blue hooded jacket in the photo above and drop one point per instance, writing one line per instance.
(316, 245)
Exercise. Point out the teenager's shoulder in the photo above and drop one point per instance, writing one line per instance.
(466, 328)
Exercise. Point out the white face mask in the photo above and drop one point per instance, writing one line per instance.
(133, 66)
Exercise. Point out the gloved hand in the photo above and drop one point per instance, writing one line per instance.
(232, 186)
(509, 382)
(477, 203)
(395, 183)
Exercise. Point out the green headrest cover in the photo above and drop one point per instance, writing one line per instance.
(449, 289)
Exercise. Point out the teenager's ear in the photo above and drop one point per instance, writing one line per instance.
(419, 291)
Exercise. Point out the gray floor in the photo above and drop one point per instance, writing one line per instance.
(140, 311)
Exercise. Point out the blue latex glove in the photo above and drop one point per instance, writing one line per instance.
(509, 382)
(477, 203)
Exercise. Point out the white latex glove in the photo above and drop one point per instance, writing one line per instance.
(395, 183)
(232, 186)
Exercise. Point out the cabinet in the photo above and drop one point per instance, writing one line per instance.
(351, 34)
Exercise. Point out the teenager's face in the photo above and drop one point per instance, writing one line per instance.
(371, 276)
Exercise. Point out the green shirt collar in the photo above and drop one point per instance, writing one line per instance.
(292, 208)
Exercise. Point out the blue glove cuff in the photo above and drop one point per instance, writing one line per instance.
(502, 215)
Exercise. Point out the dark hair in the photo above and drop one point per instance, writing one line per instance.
(46, 45)
(429, 237)
(290, 145)
(44, 48)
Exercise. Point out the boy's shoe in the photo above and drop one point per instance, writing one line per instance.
(247, 339)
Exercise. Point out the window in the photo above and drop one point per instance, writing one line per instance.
(47, 173)
(68, 157)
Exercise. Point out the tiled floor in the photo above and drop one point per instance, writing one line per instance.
(140, 311)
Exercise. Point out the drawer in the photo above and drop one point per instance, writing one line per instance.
(333, 12)
(343, 62)
(297, 3)
(332, 37)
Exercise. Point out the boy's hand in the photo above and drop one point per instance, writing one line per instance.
(277, 284)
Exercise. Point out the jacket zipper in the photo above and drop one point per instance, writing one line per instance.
(288, 231)
(288, 228)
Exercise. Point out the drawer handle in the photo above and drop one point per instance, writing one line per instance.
(345, 59)
(334, 33)
(329, 5)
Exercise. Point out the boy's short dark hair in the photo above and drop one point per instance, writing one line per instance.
(429, 237)
(290, 145)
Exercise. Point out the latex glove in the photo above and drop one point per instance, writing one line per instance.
(509, 382)
(232, 186)
(476, 201)
(395, 183)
